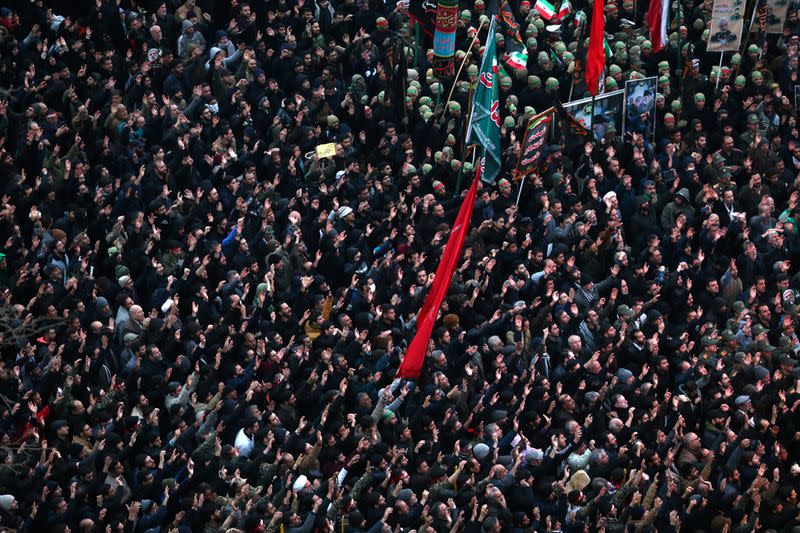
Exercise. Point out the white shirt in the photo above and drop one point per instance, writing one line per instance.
(244, 443)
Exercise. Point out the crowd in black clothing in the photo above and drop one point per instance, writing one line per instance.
(202, 321)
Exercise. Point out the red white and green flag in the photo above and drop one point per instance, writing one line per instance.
(545, 9)
(564, 10)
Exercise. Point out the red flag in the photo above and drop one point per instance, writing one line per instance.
(657, 15)
(415, 355)
(596, 57)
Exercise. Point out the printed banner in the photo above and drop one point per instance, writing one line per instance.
(444, 41)
(607, 109)
(640, 103)
(726, 26)
(775, 16)
(535, 135)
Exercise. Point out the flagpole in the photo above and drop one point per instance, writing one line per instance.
(521, 185)
(719, 70)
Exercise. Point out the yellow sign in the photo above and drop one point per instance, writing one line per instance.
(326, 150)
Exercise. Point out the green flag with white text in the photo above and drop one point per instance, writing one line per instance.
(484, 124)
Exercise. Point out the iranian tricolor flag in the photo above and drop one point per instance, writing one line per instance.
(564, 10)
(545, 9)
(518, 59)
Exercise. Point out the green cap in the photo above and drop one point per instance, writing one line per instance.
(611, 83)
(426, 168)
(508, 122)
(551, 83)
(699, 97)
(505, 82)
(647, 45)
(663, 64)
(567, 57)
(499, 37)
(614, 69)
(427, 115)
(753, 49)
(466, 15)
(455, 164)
(736, 59)
(472, 70)
(669, 117)
(624, 310)
(752, 119)
(708, 341)
(560, 48)
(454, 106)
(534, 82)
(541, 57)
(531, 42)
(663, 79)
(740, 80)
(675, 105)
(425, 100)
(756, 75)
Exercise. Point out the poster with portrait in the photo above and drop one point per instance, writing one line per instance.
(640, 103)
(608, 111)
(776, 15)
(727, 22)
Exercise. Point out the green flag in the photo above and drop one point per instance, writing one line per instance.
(484, 124)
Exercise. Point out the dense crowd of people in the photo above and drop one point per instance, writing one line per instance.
(202, 321)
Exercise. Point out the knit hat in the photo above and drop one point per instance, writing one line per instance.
(6, 501)
(437, 185)
(480, 451)
(123, 280)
